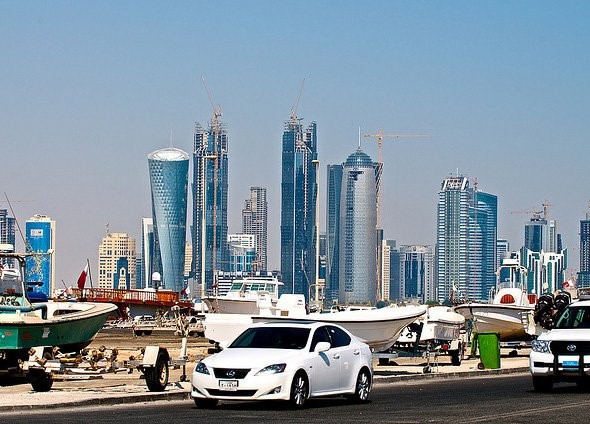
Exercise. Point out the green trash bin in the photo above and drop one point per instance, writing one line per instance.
(489, 349)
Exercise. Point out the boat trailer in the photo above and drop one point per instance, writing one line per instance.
(46, 365)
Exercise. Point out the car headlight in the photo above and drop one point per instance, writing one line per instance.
(202, 368)
(272, 369)
(541, 346)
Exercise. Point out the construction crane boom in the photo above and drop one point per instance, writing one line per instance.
(380, 136)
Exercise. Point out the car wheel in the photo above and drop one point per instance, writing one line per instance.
(299, 390)
(363, 386)
(156, 377)
(542, 384)
(205, 403)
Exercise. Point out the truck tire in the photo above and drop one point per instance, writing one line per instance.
(40, 380)
(542, 384)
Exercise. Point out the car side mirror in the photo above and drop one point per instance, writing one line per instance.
(322, 347)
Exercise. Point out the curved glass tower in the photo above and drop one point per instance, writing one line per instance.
(358, 237)
(169, 183)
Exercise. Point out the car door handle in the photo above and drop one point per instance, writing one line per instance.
(356, 352)
(336, 356)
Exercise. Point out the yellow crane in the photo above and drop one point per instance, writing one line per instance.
(380, 136)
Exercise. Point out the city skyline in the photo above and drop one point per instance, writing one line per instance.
(90, 89)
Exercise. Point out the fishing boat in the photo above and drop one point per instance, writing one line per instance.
(67, 326)
(379, 328)
(507, 312)
(244, 294)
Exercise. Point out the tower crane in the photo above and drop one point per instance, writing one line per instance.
(380, 136)
(536, 214)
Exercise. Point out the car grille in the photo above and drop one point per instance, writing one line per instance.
(230, 373)
(237, 393)
(560, 347)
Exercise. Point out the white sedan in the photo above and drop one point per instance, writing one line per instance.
(290, 361)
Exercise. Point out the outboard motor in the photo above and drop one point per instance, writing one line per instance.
(561, 301)
(543, 308)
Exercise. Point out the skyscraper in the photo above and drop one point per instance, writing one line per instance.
(540, 234)
(416, 272)
(210, 191)
(358, 224)
(584, 274)
(116, 262)
(332, 232)
(7, 235)
(298, 207)
(169, 182)
(466, 240)
(255, 222)
(147, 253)
(40, 238)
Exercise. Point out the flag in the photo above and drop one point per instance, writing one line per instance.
(186, 291)
(82, 277)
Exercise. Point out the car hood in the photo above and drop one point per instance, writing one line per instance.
(566, 334)
(251, 358)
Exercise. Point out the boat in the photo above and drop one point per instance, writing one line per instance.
(440, 323)
(243, 295)
(67, 326)
(508, 312)
(379, 328)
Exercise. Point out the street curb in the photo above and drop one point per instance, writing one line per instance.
(380, 378)
(113, 400)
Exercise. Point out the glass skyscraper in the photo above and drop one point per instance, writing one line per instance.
(332, 233)
(255, 222)
(210, 191)
(584, 274)
(358, 235)
(169, 183)
(298, 207)
(466, 240)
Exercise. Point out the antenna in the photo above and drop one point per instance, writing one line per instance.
(171, 138)
(359, 137)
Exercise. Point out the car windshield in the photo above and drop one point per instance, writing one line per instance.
(272, 338)
(574, 317)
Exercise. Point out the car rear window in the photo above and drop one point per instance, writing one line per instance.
(272, 338)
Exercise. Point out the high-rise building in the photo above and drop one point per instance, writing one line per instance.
(334, 193)
(388, 290)
(358, 224)
(7, 234)
(545, 270)
(147, 254)
(584, 274)
(298, 207)
(210, 191)
(40, 239)
(466, 240)
(116, 262)
(540, 234)
(255, 222)
(416, 272)
(169, 182)
(242, 253)
(502, 251)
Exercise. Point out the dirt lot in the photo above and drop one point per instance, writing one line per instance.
(130, 345)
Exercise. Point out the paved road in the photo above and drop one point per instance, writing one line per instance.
(498, 399)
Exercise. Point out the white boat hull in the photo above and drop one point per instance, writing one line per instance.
(379, 328)
(507, 320)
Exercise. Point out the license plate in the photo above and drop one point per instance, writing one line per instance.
(570, 363)
(228, 385)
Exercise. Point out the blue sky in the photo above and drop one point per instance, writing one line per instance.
(89, 89)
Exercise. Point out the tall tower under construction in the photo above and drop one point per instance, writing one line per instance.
(209, 190)
(298, 206)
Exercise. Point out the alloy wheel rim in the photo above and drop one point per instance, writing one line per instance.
(363, 386)
(299, 391)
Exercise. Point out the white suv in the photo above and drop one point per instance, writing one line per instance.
(563, 353)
